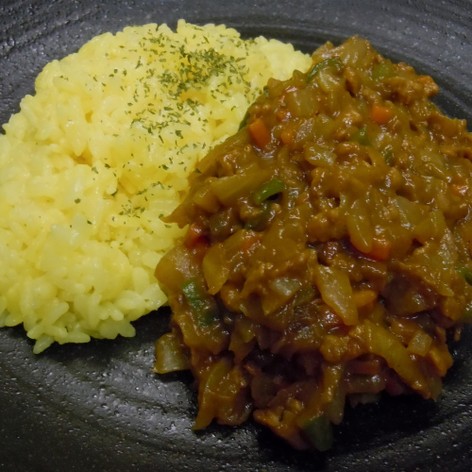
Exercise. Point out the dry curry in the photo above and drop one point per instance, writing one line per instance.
(328, 252)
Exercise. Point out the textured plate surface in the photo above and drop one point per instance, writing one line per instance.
(98, 406)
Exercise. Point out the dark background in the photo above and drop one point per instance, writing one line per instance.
(98, 406)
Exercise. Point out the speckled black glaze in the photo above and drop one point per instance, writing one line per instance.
(99, 407)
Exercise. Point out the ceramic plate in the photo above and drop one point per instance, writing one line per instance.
(99, 406)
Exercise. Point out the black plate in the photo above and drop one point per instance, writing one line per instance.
(98, 406)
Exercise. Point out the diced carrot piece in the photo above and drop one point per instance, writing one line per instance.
(282, 114)
(381, 114)
(194, 235)
(248, 242)
(381, 249)
(259, 133)
(287, 135)
(429, 85)
(459, 190)
(196, 240)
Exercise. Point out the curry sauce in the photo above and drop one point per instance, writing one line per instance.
(328, 253)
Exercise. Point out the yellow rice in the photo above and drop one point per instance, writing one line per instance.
(98, 154)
